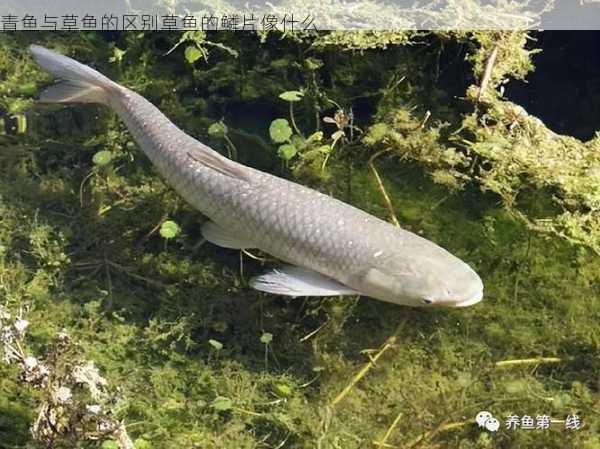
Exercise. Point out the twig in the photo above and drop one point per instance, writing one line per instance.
(105, 209)
(310, 334)
(252, 256)
(246, 412)
(155, 228)
(425, 119)
(534, 360)
(442, 427)
(382, 442)
(233, 153)
(287, 437)
(386, 198)
(88, 176)
(487, 73)
(134, 275)
(123, 439)
(294, 121)
(365, 369)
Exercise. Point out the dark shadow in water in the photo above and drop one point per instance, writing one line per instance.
(564, 89)
(14, 427)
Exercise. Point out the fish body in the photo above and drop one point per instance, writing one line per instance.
(332, 247)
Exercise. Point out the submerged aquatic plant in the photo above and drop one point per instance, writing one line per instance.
(312, 151)
(75, 403)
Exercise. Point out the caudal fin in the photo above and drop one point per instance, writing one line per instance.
(78, 82)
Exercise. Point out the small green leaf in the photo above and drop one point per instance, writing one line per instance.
(21, 123)
(287, 151)
(313, 64)
(315, 137)
(192, 54)
(140, 443)
(280, 130)
(291, 96)
(102, 158)
(109, 444)
(283, 390)
(266, 338)
(222, 404)
(298, 142)
(27, 88)
(217, 129)
(117, 55)
(215, 344)
(169, 229)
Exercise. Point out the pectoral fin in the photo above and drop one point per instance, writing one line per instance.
(222, 237)
(296, 281)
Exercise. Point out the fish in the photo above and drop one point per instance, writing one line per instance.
(327, 247)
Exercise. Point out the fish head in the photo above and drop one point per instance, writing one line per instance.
(429, 277)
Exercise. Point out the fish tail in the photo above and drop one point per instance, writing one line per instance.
(78, 82)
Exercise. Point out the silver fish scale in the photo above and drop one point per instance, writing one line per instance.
(289, 221)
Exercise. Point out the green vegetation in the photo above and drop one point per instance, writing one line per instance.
(201, 361)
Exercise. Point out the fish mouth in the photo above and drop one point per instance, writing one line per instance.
(472, 300)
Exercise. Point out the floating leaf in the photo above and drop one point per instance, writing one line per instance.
(169, 229)
(215, 344)
(287, 151)
(217, 129)
(222, 404)
(266, 338)
(102, 158)
(280, 130)
(192, 54)
(291, 96)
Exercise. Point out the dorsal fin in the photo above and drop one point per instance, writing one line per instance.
(220, 164)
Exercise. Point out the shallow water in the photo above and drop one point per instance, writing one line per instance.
(78, 250)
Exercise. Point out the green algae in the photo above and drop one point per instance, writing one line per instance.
(89, 257)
